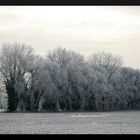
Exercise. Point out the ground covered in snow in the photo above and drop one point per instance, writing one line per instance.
(70, 123)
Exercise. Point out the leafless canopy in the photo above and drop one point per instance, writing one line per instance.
(110, 62)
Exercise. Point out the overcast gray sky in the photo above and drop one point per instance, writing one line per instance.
(84, 29)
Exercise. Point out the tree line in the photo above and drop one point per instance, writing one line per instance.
(64, 80)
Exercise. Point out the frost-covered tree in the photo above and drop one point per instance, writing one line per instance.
(70, 74)
(58, 82)
(126, 88)
(129, 86)
(15, 60)
(109, 65)
(110, 62)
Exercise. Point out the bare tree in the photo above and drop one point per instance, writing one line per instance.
(15, 60)
(110, 62)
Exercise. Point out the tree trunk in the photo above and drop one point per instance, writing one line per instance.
(12, 99)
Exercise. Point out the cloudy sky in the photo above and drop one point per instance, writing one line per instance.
(84, 29)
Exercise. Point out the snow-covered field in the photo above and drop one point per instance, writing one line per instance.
(70, 123)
